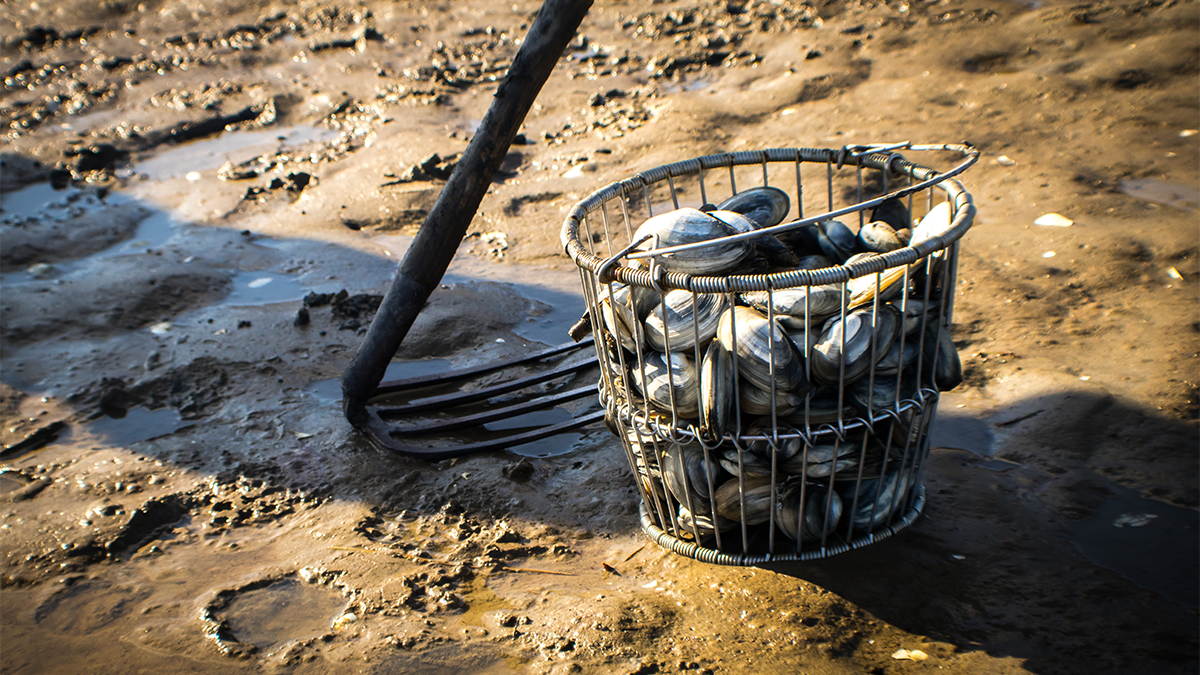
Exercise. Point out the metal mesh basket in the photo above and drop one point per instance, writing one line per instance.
(780, 408)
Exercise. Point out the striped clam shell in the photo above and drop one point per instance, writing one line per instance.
(818, 461)
(877, 498)
(716, 390)
(822, 509)
(894, 213)
(916, 314)
(759, 343)
(752, 492)
(689, 476)
(792, 305)
(755, 401)
(701, 525)
(623, 311)
(822, 408)
(761, 426)
(774, 251)
(879, 237)
(882, 393)
(668, 375)
(859, 330)
(687, 226)
(766, 206)
(743, 463)
(683, 318)
(898, 358)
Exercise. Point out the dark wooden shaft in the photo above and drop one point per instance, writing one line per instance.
(440, 235)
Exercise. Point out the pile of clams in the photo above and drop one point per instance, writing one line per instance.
(736, 369)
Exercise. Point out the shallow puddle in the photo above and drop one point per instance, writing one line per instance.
(450, 660)
(286, 610)
(1148, 542)
(138, 424)
(263, 288)
(953, 428)
(11, 481)
(232, 146)
(1162, 192)
(553, 446)
(329, 392)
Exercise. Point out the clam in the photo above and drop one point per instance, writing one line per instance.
(881, 393)
(758, 344)
(822, 509)
(669, 376)
(878, 237)
(690, 477)
(619, 315)
(747, 499)
(766, 206)
(942, 357)
(687, 226)
(805, 241)
(819, 460)
(743, 463)
(774, 251)
(894, 213)
(701, 525)
(814, 262)
(876, 498)
(682, 320)
(822, 409)
(897, 358)
(716, 389)
(836, 241)
(761, 426)
(755, 401)
(854, 344)
(935, 223)
(915, 312)
(792, 305)
(887, 284)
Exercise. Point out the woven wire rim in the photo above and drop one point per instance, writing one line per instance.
(962, 216)
(708, 555)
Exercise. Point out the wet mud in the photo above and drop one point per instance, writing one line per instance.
(201, 206)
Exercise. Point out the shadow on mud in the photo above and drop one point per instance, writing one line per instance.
(1045, 556)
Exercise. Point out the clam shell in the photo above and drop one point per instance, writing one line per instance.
(757, 344)
(822, 409)
(753, 491)
(881, 394)
(894, 213)
(761, 426)
(745, 464)
(689, 477)
(942, 357)
(755, 401)
(859, 331)
(888, 284)
(793, 305)
(701, 525)
(896, 360)
(878, 237)
(683, 318)
(836, 241)
(766, 206)
(916, 313)
(877, 498)
(619, 315)
(667, 374)
(774, 251)
(818, 460)
(716, 389)
(822, 509)
(686, 226)
(934, 224)
(814, 262)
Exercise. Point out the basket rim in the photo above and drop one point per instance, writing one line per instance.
(962, 217)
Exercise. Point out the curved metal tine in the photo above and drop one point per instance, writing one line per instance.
(382, 434)
(393, 386)
(486, 392)
(494, 414)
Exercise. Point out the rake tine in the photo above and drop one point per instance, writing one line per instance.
(453, 376)
(491, 415)
(450, 400)
(384, 435)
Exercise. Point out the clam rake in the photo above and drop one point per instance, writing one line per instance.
(414, 439)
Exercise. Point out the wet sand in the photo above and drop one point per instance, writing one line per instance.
(190, 498)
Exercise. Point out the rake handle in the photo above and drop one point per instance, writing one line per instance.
(440, 235)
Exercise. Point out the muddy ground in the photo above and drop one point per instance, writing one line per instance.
(182, 493)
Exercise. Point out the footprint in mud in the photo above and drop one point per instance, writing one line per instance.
(283, 611)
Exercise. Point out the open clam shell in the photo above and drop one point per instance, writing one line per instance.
(668, 375)
(807, 511)
(758, 344)
(689, 476)
(877, 498)
(766, 206)
(716, 389)
(687, 226)
(751, 492)
(792, 306)
(853, 342)
(682, 319)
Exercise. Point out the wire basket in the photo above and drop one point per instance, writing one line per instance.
(775, 405)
